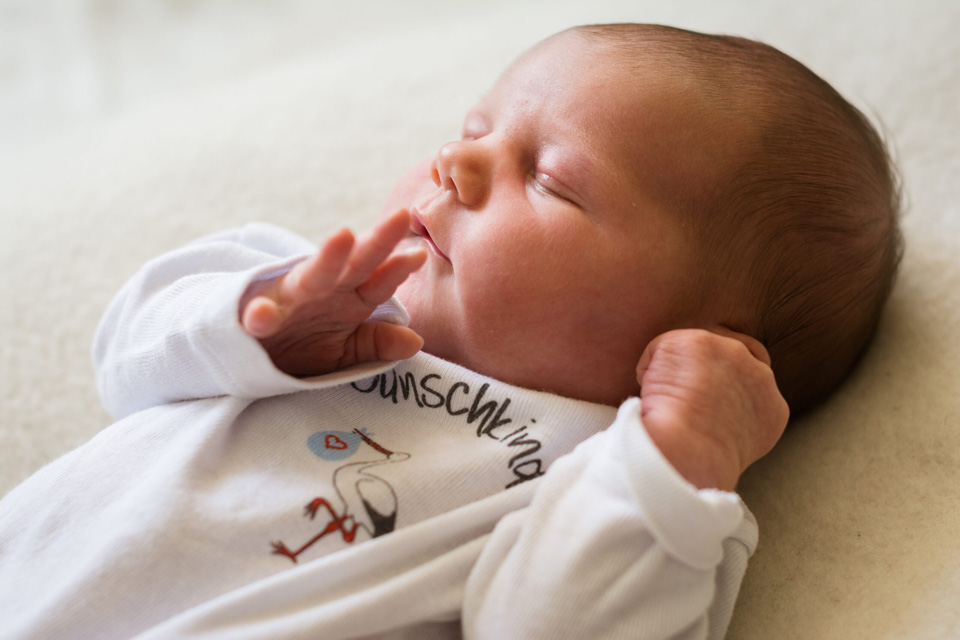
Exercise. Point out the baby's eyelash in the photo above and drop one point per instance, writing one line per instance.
(540, 181)
(542, 188)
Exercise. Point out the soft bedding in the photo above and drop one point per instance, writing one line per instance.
(131, 128)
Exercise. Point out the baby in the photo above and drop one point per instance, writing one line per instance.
(633, 211)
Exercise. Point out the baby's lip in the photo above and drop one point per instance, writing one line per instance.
(418, 227)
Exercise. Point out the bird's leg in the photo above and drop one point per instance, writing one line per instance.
(316, 503)
(281, 549)
(336, 522)
(348, 536)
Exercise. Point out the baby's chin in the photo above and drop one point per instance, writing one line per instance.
(422, 320)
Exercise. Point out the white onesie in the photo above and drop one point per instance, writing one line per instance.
(415, 499)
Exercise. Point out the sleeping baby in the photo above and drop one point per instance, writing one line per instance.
(516, 408)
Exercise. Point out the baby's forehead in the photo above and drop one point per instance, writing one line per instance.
(621, 77)
(573, 75)
(640, 120)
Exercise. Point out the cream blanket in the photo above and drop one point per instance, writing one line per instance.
(127, 129)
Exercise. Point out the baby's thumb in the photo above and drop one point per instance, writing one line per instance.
(385, 341)
(646, 358)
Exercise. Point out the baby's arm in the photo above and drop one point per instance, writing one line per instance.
(313, 319)
(174, 331)
(628, 536)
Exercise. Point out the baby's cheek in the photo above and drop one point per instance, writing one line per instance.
(509, 316)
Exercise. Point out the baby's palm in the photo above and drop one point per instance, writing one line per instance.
(312, 320)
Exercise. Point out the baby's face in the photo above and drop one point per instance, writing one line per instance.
(551, 264)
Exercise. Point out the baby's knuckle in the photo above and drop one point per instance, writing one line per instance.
(697, 339)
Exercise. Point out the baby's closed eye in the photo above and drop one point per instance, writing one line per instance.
(549, 186)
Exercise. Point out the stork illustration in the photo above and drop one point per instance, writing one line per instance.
(366, 501)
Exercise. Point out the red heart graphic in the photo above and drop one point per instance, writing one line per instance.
(334, 442)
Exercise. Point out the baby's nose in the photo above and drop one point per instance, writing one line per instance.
(463, 167)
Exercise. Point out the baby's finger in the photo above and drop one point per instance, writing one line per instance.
(374, 247)
(321, 272)
(382, 341)
(756, 348)
(262, 317)
(646, 357)
(395, 269)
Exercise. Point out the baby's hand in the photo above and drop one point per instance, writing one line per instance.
(710, 403)
(311, 320)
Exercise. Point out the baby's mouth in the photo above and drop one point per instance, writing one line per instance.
(420, 229)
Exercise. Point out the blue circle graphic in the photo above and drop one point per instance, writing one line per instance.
(334, 445)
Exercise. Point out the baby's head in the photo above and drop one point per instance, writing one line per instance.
(621, 181)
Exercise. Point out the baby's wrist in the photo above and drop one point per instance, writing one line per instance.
(702, 461)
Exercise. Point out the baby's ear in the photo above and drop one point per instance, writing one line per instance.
(752, 344)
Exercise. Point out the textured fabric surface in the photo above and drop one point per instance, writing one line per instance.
(127, 129)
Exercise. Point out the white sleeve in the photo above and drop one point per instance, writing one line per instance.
(615, 544)
(173, 331)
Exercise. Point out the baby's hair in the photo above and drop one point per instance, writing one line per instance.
(806, 222)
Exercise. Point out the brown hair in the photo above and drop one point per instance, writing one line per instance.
(807, 221)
